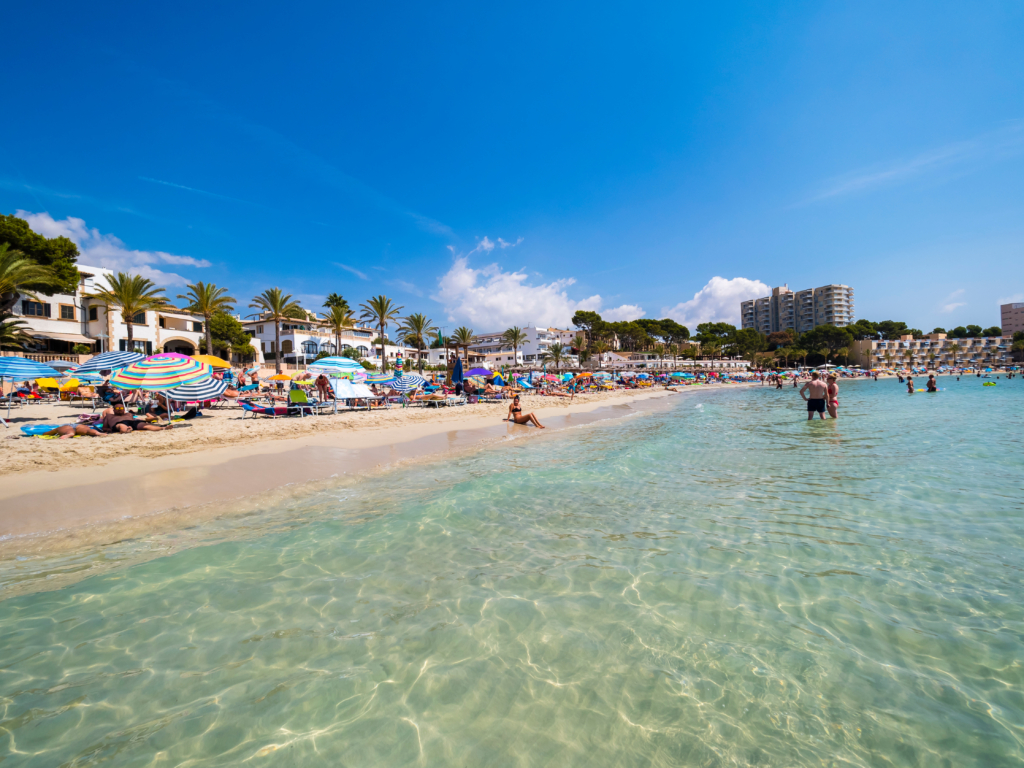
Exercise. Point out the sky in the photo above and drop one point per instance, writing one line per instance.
(495, 166)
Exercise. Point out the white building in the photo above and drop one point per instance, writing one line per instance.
(800, 311)
(491, 349)
(60, 322)
(1011, 318)
(933, 350)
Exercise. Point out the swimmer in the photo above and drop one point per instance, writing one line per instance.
(932, 385)
(910, 385)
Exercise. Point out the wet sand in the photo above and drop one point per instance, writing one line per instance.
(79, 502)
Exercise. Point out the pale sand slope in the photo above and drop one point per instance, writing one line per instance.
(61, 485)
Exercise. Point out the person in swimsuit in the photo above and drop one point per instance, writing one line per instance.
(932, 384)
(833, 397)
(910, 385)
(73, 430)
(515, 413)
(814, 392)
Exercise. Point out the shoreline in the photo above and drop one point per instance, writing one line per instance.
(52, 511)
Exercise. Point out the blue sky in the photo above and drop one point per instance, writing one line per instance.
(493, 166)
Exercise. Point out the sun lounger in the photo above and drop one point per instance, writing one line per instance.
(298, 401)
(262, 410)
(83, 394)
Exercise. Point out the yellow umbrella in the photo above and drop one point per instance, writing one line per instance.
(280, 377)
(212, 360)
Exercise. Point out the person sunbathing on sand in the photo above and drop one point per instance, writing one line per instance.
(73, 430)
(515, 413)
(116, 420)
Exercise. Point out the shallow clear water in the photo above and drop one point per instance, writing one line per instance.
(718, 583)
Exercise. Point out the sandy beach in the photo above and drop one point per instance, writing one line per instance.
(116, 485)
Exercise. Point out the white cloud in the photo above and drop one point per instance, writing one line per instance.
(717, 302)
(490, 298)
(353, 270)
(1011, 299)
(951, 305)
(1005, 141)
(99, 250)
(624, 313)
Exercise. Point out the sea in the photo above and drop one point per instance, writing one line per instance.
(711, 582)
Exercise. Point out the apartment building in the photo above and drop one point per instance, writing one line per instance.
(1011, 318)
(799, 311)
(61, 322)
(492, 347)
(933, 350)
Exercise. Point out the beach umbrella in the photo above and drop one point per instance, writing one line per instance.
(408, 383)
(61, 365)
(333, 365)
(213, 361)
(478, 372)
(380, 378)
(457, 371)
(280, 377)
(210, 389)
(88, 379)
(21, 369)
(161, 372)
(110, 361)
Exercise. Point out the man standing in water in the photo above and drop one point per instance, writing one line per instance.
(814, 392)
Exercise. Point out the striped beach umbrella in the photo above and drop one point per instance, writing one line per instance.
(110, 361)
(161, 372)
(87, 378)
(407, 383)
(22, 369)
(334, 365)
(211, 389)
(380, 378)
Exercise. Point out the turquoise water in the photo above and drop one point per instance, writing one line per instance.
(717, 583)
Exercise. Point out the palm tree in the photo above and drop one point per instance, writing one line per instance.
(711, 347)
(414, 331)
(516, 337)
(800, 354)
(277, 306)
(463, 337)
(131, 294)
(931, 359)
(17, 272)
(339, 318)
(335, 300)
(207, 299)
(888, 358)
(381, 311)
(954, 348)
(13, 335)
(599, 347)
(555, 355)
(909, 354)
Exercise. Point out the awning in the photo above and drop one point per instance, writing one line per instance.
(75, 338)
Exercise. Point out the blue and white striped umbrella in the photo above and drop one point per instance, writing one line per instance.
(380, 378)
(22, 369)
(407, 383)
(210, 389)
(88, 379)
(110, 361)
(333, 365)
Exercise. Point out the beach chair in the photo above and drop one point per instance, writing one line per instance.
(83, 394)
(299, 401)
(262, 410)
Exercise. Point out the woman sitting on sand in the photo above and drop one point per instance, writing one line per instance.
(515, 413)
(116, 420)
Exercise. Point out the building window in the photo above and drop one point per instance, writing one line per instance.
(259, 329)
(163, 323)
(94, 313)
(142, 347)
(139, 318)
(286, 346)
(197, 327)
(35, 309)
(67, 312)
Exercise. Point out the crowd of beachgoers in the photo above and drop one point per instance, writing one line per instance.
(204, 402)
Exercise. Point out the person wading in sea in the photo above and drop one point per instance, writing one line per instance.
(833, 397)
(814, 392)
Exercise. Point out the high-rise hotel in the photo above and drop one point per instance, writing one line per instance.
(799, 310)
